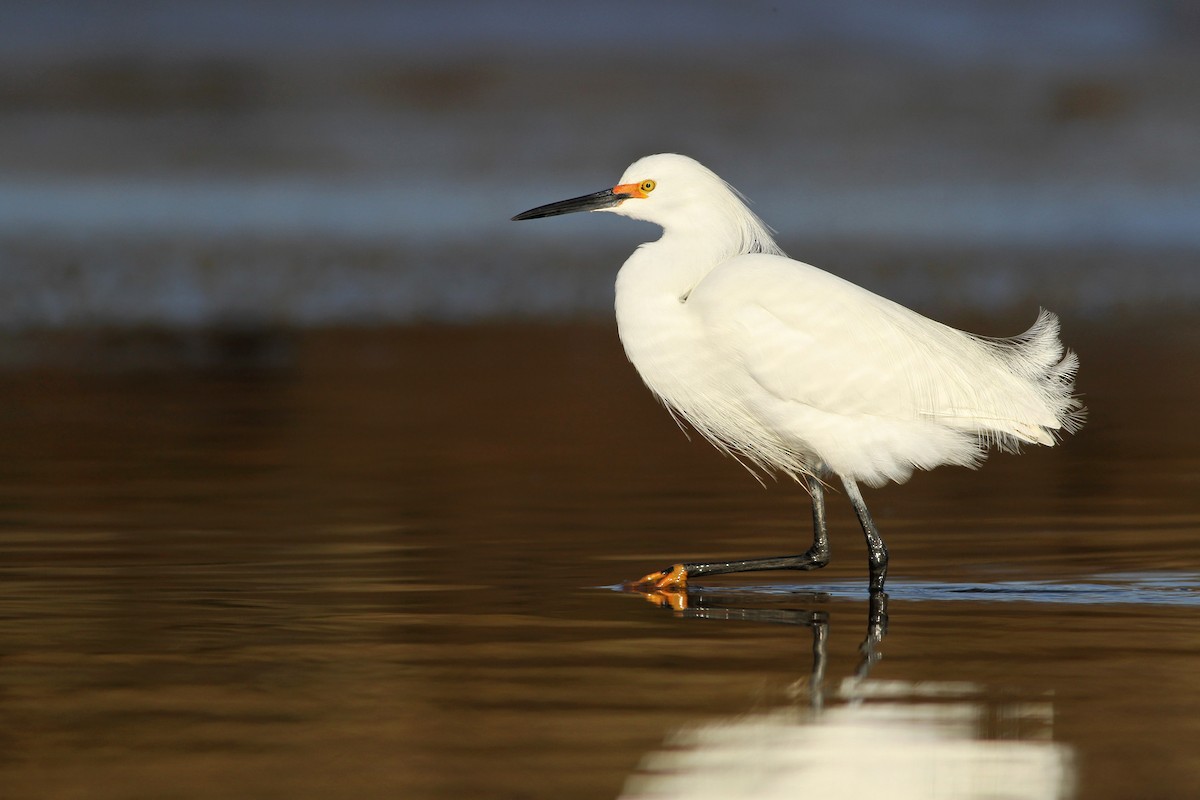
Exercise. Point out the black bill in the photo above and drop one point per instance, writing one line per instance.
(589, 202)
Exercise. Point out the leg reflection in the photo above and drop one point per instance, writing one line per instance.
(925, 738)
(749, 606)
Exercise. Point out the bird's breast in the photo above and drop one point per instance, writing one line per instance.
(662, 340)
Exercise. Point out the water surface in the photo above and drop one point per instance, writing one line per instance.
(382, 564)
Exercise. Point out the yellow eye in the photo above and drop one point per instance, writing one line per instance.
(647, 186)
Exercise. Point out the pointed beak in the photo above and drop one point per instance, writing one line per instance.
(597, 201)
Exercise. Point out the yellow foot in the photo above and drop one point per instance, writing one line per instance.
(673, 578)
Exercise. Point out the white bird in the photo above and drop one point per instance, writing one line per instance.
(793, 370)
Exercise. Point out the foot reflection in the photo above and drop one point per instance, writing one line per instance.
(865, 738)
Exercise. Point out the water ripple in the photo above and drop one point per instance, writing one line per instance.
(1126, 588)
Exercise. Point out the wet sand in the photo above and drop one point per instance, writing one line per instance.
(381, 563)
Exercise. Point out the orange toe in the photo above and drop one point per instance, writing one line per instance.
(673, 578)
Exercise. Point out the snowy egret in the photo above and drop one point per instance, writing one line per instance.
(793, 370)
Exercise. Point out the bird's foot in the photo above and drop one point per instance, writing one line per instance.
(674, 577)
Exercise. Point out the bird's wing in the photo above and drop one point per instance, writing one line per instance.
(807, 336)
(802, 334)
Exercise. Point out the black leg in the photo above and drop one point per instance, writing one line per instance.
(815, 557)
(877, 554)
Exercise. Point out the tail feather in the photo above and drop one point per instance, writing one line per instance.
(1048, 370)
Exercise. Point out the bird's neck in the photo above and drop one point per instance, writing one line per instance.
(653, 318)
(668, 269)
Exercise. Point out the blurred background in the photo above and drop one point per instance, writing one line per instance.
(261, 163)
(314, 466)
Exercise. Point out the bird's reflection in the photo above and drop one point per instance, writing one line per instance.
(865, 737)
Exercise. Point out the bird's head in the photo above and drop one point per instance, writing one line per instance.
(650, 187)
(674, 192)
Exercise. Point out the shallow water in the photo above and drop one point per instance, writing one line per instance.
(387, 563)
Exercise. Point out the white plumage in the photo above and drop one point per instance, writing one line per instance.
(795, 370)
